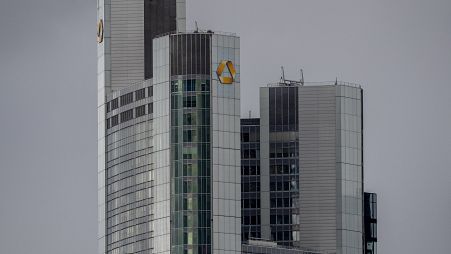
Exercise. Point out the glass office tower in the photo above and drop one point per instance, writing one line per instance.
(199, 123)
(169, 132)
(311, 166)
(331, 167)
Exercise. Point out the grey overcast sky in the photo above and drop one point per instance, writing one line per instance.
(398, 50)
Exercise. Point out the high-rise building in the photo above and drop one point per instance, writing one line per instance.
(310, 171)
(370, 223)
(169, 132)
(331, 167)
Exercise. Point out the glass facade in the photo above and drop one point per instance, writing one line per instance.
(171, 182)
(190, 54)
(191, 211)
(283, 109)
(350, 163)
(283, 164)
(129, 176)
(226, 160)
(370, 220)
(311, 166)
(250, 179)
(158, 161)
(159, 18)
(191, 166)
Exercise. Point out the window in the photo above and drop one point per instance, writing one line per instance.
(250, 203)
(176, 86)
(150, 110)
(114, 104)
(189, 85)
(126, 99)
(245, 137)
(251, 220)
(249, 154)
(126, 115)
(150, 91)
(114, 120)
(205, 87)
(251, 187)
(187, 156)
(204, 101)
(140, 94)
(250, 170)
(141, 110)
(189, 118)
(189, 136)
(189, 101)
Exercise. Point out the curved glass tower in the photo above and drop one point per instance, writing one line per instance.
(126, 29)
(169, 133)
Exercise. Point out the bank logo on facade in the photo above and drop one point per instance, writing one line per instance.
(220, 71)
(100, 31)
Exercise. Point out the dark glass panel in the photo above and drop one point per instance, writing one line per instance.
(159, 18)
(190, 54)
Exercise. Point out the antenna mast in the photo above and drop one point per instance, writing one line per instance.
(302, 77)
(283, 75)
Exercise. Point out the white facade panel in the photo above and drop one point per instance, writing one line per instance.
(161, 143)
(226, 153)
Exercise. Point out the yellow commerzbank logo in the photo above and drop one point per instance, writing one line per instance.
(100, 31)
(220, 72)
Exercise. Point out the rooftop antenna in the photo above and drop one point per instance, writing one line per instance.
(336, 81)
(197, 27)
(250, 113)
(283, 75)
(302, 77)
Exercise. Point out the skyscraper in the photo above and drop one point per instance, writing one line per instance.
(331, 167)
(310, 167)
(169, 132)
